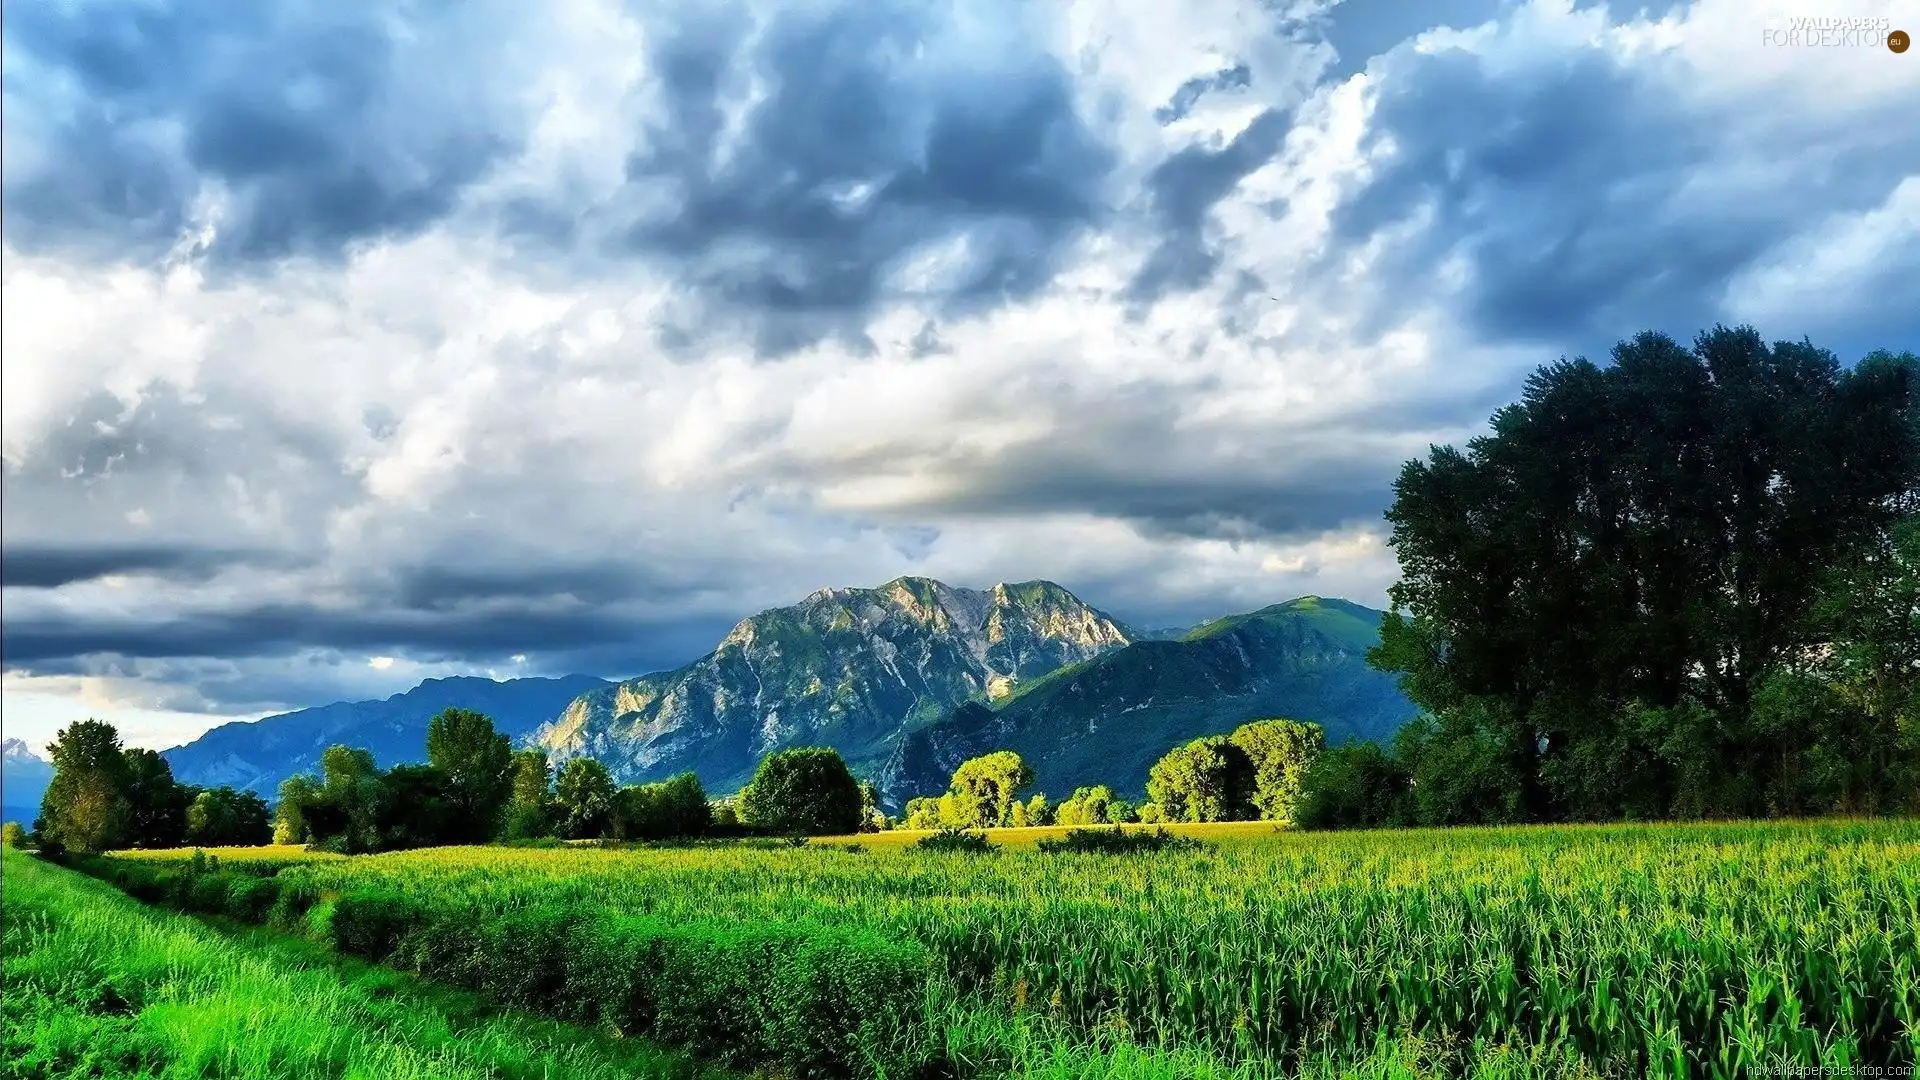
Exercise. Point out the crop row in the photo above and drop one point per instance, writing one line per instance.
(1656, 950)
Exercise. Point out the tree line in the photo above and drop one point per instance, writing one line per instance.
(473, 788)
(105, 796)
(1258, 772)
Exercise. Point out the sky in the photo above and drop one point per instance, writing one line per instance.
(348, 345)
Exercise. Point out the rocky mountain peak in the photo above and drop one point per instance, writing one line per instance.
(850, 668)
(17, 750)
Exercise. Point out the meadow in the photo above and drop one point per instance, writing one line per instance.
(1716, 950)
(99, 986)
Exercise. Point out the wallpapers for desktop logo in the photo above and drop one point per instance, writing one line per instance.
(1834, 32)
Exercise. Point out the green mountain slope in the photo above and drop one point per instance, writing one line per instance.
(848, 668)
(1108, 719)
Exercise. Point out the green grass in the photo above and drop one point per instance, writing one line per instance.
(100, 986)
(1658, 950)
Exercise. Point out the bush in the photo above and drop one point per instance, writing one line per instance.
(13, 835)
(952, 839)
(292, 900)
(814, 1001)
(1120, 842)
(370, 923)
(250, 898)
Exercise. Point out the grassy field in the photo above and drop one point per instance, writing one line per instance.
(1664, 950)
(99, 986)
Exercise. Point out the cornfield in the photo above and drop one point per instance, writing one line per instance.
(1717, 950)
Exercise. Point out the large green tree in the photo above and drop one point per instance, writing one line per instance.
(417, 809)
(345, 813)
(1281, 751)
(1844, 716)
(1594, 592)
(224, 817)
(156, 804)
(672, 809)
(530, 801)
(1357, 784)
(1208, 779)
(985, 790)
(86, 807)
(477, 762)
(297, 794)
(583, 799)
(1086, 806)
(802, 791)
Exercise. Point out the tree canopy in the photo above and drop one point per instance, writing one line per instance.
(1208, 779)
(224, 817)
(1601, 597)
(1280, 750)
(477, 762)
(803, 791)
(583, 798)
(86, 807)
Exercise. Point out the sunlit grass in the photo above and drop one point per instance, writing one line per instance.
(99, 986)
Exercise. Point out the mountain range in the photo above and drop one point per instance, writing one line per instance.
(258, 754)
(853, 669)
(905, 680)
(909, 679)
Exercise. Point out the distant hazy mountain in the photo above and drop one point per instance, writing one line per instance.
(259, 754)
(1108, 720)
(846, 668)
(24, 776)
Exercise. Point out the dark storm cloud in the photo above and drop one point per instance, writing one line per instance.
(276, 676)
(1227, 507)
(319, 120)
(530, 576)
(42, 642)
(868, 148)
(1574, 194)
(49, 566)
(1183, 189)
(1325, 474)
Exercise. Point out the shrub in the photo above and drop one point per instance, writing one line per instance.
(250, 898)
(1120, 842)
(815, 1001)
(370, 923)
(957, 840)
(292, 900)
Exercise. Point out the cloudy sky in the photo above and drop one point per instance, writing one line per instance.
(346, 345)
